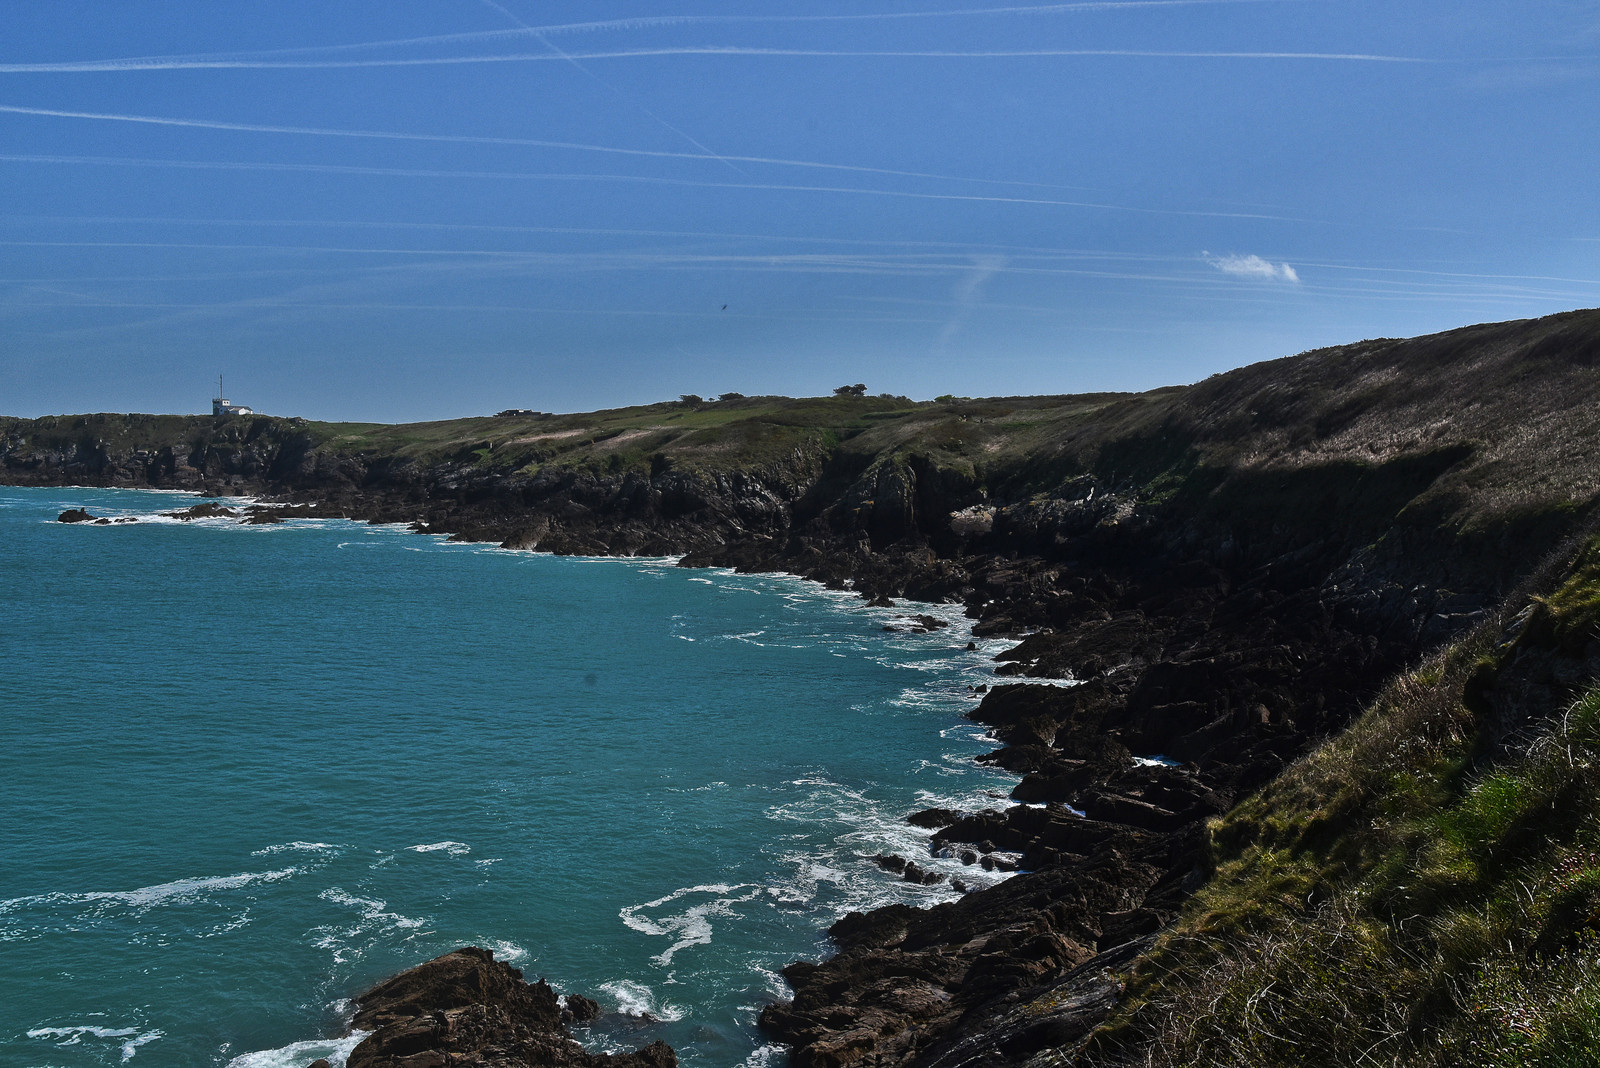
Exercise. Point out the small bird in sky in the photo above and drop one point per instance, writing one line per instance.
(724, 307)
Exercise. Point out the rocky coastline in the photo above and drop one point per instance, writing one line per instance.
(1229, 571)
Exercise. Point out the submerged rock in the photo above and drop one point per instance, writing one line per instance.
(204, 510)
(919, 624)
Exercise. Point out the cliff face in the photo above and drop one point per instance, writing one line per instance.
(1232, 568)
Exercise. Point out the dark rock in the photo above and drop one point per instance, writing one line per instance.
(920, 624)
(467, 1009)
(75, 515)
(578, 1009)
(933, 818)
(204, 510)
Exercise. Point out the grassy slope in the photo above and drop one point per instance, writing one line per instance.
(1423, 890)
(740, 434)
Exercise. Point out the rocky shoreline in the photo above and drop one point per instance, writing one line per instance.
(1230, 571)
(1108, 845)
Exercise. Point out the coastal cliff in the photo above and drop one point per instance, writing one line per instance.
(1233, 571)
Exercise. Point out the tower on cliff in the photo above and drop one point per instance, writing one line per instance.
(220, 405)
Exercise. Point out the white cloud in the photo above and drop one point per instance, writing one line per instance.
(1253, 267)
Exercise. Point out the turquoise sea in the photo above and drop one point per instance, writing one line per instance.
(247, 771)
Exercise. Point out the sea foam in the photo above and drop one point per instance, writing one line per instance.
(300, 1054)
(74, 1035)
(455, 849)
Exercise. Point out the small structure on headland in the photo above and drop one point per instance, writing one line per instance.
(220, 405)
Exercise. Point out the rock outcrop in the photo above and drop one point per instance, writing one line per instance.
(468, 1010)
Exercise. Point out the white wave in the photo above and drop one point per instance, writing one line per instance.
(645, 926)
(635, 999)
(1155, 761)
(455, 849)
(808, 875)
(132, 1045)
(691, 927)
(370, 908)
(300, 1054)
(839, 873)
(374, 920)
(296, 847)
(241, 920)
(509, 952)
(145, 897)
(181, 890)
(1029, 680)
(768, 1056)
(776, 987)
(74, 1035)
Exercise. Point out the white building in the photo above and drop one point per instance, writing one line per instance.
(220, 405)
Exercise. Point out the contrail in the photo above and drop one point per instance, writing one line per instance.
(114, 66)
(964, 247)
(268, 304)
(652, 21)
(313, 131)
(812, 264)
(398, 172)
(608, 86)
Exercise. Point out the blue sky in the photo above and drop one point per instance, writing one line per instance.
(416, 209)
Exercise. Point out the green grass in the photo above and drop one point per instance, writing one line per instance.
(1422, 890)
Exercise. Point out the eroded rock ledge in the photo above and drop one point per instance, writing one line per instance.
(468, 1010)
